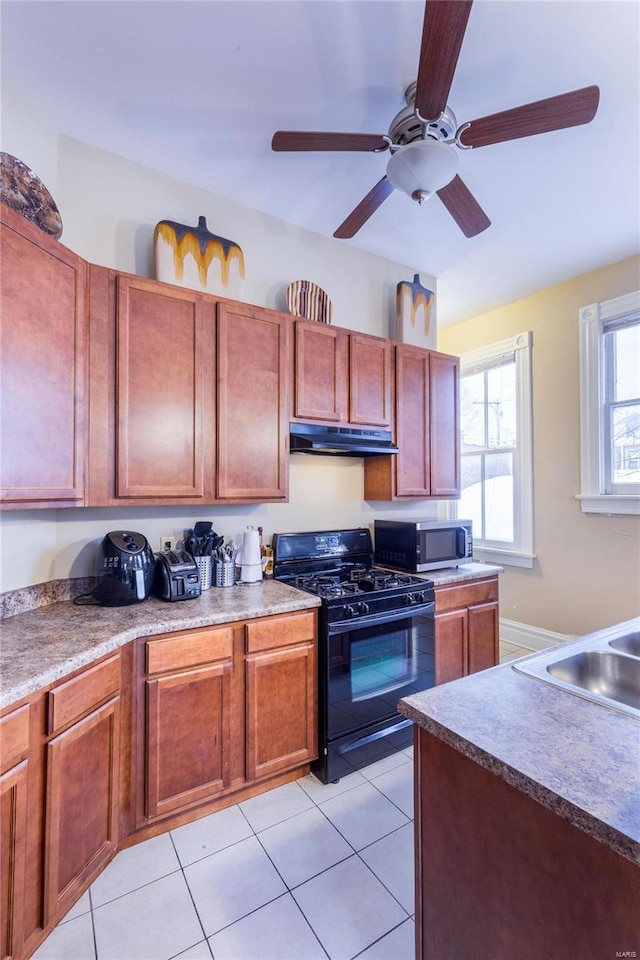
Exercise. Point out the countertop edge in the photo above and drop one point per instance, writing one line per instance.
(589, 823)
(100, 639)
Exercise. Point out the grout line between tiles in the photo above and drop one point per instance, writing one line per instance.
(141, 887)
(93, 925)
(379, 939)
(184, 876)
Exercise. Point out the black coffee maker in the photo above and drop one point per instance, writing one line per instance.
(124, 566)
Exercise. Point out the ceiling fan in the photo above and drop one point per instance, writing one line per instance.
(424, 137)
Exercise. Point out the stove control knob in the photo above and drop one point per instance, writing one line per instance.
(349, 611)
(408, 599)
(363, 609)
(419, 597)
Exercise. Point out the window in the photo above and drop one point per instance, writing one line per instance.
(495, 418)
(610, 406)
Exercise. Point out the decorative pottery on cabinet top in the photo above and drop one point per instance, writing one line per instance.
(308, 300)
(24, 192)
(415, 323)
(196, 258)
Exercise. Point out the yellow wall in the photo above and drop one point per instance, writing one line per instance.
(587, 572)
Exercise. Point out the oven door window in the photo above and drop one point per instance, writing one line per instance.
(371, 668)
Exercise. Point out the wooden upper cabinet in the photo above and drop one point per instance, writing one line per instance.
(369, 380)
(163, 360)
(444, 425)
(43, 368)
(427, 430)
(321, 371)
(412, 422)
(152, 407)
(341, 376)
(253, 403)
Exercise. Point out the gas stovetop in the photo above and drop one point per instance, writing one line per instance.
(353, 581)
(337, 566)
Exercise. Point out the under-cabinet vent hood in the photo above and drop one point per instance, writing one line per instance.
(339, 441)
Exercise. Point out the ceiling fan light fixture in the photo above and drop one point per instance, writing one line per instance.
(421, 168)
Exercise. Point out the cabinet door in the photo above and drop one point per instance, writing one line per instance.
(444, 425)
(253, 403)
(13, 827)
(163, 355)
(281, 709)
(188, 737)
(81, 821)
(43, 368)
(483, 636)
(321, 372)
(413, 478)
(451, 645)
(369, 380)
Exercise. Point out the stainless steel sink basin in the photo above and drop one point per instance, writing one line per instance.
(629, 644)
(605, 674)
(603, 667)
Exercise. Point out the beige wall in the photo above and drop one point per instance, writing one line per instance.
(587, 571)
(109, 207)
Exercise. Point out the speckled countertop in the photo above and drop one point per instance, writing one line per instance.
(44, 644)
(466, 571)
(579, 759)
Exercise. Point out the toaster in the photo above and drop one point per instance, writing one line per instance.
(176, 576)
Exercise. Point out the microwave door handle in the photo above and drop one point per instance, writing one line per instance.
(462, 542)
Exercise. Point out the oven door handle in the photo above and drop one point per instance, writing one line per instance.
(362, 741)
(419, 610)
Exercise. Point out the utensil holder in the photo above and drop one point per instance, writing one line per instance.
(224, 573)
(204, 566)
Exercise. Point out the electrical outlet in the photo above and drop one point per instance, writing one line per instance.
(168, 542)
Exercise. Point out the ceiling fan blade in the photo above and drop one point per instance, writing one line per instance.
(464, 208)
(443, 29)
(312, 140)
(543, 116)
(365, 209)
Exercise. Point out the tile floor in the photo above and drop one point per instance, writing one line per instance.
(304, 871)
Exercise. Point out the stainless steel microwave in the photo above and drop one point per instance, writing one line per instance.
(419, 545)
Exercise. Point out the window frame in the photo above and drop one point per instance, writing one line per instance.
(594, 402)
(520, 348)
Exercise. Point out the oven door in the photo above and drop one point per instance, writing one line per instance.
(372, 665)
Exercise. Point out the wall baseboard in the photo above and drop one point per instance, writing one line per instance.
(533, 638)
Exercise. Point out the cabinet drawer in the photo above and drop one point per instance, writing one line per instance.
(188, 649)
(280, 631)
(455, 595)
(73, 698)
(14, 736)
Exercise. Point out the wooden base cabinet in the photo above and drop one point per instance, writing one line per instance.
(14, 748)
(188, 719)
(501, 876)
(82, 783)
(466, 628)
(223, 707)
(281, 694)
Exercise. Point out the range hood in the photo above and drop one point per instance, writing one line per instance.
(339, 441)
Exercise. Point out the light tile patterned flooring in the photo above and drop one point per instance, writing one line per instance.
(304, 871)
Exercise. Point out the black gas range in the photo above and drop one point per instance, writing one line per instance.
(375, 643)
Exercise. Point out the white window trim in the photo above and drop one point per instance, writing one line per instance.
(592, 496)
(520, 346)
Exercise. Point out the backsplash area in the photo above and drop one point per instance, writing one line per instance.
(41, 594)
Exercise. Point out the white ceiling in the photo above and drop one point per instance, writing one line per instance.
(196, 90)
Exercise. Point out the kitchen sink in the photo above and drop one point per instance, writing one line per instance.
(603, 667)
(628, 644)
